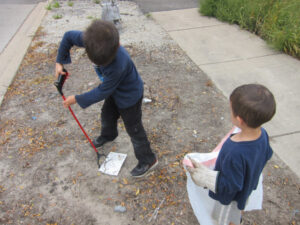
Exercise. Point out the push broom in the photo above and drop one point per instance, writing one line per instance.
(59, 85)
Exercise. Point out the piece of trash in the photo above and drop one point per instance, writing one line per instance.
(147, 100)
(275, 166)
(33, 117)
(195, 133)
(120, 208)
(113, 163)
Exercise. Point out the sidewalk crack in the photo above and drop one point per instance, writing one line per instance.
(193, 28)
(285, 134)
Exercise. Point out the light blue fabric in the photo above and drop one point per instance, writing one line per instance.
(97, 69)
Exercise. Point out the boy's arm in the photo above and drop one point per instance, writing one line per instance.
(69, 39)
(231, 177)
(104, 90)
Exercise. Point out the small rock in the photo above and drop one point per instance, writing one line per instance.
(120, 208)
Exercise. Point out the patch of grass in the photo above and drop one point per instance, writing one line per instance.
(97, 1)
(70, 3)
(57, 16)
(56, 4)
(276, 21)
(49, 7)
(92, 18)
(148, 15)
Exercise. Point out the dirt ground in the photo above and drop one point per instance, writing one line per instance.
(48, 170)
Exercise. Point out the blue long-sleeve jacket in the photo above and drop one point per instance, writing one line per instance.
(120, 78)
(240, 165)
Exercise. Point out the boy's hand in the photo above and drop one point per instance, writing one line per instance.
(202, 176)
(69, 101)
(59, 69)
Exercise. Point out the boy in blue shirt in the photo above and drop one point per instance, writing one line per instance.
(243, 155)
(121, 88)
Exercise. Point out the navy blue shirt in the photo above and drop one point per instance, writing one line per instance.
(120, 78)
(240, 165)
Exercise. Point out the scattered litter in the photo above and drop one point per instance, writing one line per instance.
(147, 100)
(195, 133)
(120, 208)
(113, 163)
(33, 117)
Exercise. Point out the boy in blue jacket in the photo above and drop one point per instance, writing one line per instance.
(243, 155)
(121, 88)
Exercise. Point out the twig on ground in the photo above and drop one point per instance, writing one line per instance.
(154, 215)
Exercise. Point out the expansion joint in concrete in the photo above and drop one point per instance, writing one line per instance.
(285, 134)
(194, 28)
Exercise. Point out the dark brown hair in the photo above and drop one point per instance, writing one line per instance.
(101, 41)
(254, 103)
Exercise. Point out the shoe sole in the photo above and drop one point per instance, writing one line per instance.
(148, 171)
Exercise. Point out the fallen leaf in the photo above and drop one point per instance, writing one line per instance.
(125, 181)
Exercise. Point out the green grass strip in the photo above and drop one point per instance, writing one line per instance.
(276, 21)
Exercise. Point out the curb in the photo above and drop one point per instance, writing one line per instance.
(12, 56)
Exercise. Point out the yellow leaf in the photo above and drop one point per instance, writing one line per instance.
(125, 181)
(277, 167)
(153, 206)
(137, 191)
(144, 208)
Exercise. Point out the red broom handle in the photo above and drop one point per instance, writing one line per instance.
(81, 126)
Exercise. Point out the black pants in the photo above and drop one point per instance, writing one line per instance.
(132, 118)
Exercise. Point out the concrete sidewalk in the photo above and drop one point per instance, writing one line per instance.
(17, 29)
(231, 57)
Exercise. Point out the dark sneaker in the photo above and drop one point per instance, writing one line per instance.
(142, 169)
(99, 141)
